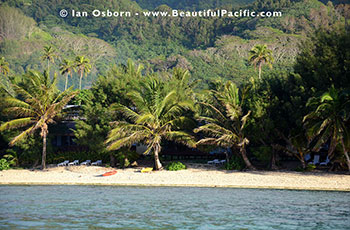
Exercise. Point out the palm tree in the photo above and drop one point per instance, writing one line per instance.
(39, 103)
(4, 66)
(225, 120)
(83, 65)
(260, 55)
(156, 115)
(328, 122)
(67, 67)
(49, 56)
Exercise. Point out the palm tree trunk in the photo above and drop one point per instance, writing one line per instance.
(260, 70)
(81, 76)
(346, 154)
(157, 163)
(43, 159)
(303, 164)
(273, 160)
(245, 158)
(65, 87)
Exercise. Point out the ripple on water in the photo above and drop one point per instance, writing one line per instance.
(81, 207)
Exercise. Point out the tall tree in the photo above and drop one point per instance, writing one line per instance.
(36, 107)
(67, 67)
(225, 120)
(260, 55)
(4, 66)
(328, 122)
(83, 66)
(156, 115)
(49, 56)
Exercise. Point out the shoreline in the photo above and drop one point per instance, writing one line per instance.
(192, 177)
(174, 185)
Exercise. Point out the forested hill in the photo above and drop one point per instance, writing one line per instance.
(192, 4)
(210, 48)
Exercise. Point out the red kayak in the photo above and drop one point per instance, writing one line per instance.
(110, 173)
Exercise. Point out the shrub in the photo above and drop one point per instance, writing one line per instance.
(125, 157)
(235, 163)
(175, 166)
(309, 168)
(262, 153)
(4, 164)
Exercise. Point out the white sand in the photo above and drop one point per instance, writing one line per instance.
(194, 176)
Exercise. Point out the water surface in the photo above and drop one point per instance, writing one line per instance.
(108, 207)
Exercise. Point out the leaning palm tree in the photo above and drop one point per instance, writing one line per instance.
(260, 55)
(4, 66)
(328, 122)
(155, 116)
(83, 66)
(224, 120)
(35, 108)
(49, 56)
(67, 67)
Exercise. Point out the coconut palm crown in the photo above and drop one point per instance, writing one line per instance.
(260, 55)
(66, 68)
(329, 121)
(49, 56)
(156, 115)
(224, 120)
(36, 107)
(83, 67)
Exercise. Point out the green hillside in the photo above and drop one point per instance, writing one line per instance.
(209, 47)
(192, 5)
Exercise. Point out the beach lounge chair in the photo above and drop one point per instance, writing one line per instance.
(316, 160)
(215, 161)
(307, 157)
(76, 162)
(87, 162)
(64, 163)
(326, 162)
(99, 162)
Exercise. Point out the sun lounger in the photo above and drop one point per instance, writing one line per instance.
(316, 160)
(215, 161)
(307, 157)
(87, 162)
(76, 162)
(326, 162)
(64, 163)
(99, 162)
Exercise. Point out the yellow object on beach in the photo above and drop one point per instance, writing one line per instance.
(145, 170)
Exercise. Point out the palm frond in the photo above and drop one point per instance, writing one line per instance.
(22, 135)
(17, 123)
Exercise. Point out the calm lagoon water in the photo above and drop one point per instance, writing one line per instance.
(92, 207)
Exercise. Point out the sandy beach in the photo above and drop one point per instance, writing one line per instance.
(194, 176)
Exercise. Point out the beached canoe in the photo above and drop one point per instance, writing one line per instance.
(146, 170)
(110, 173)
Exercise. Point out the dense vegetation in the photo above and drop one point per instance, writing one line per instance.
(210, 48)
(197, 82)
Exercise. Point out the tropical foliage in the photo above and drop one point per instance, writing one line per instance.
(193, 82)
(225, 121)
(4, 66)
(156, 115)
(328, 122)
(260, 55)
(36, 107)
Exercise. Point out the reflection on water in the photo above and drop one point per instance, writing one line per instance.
(92, 207)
